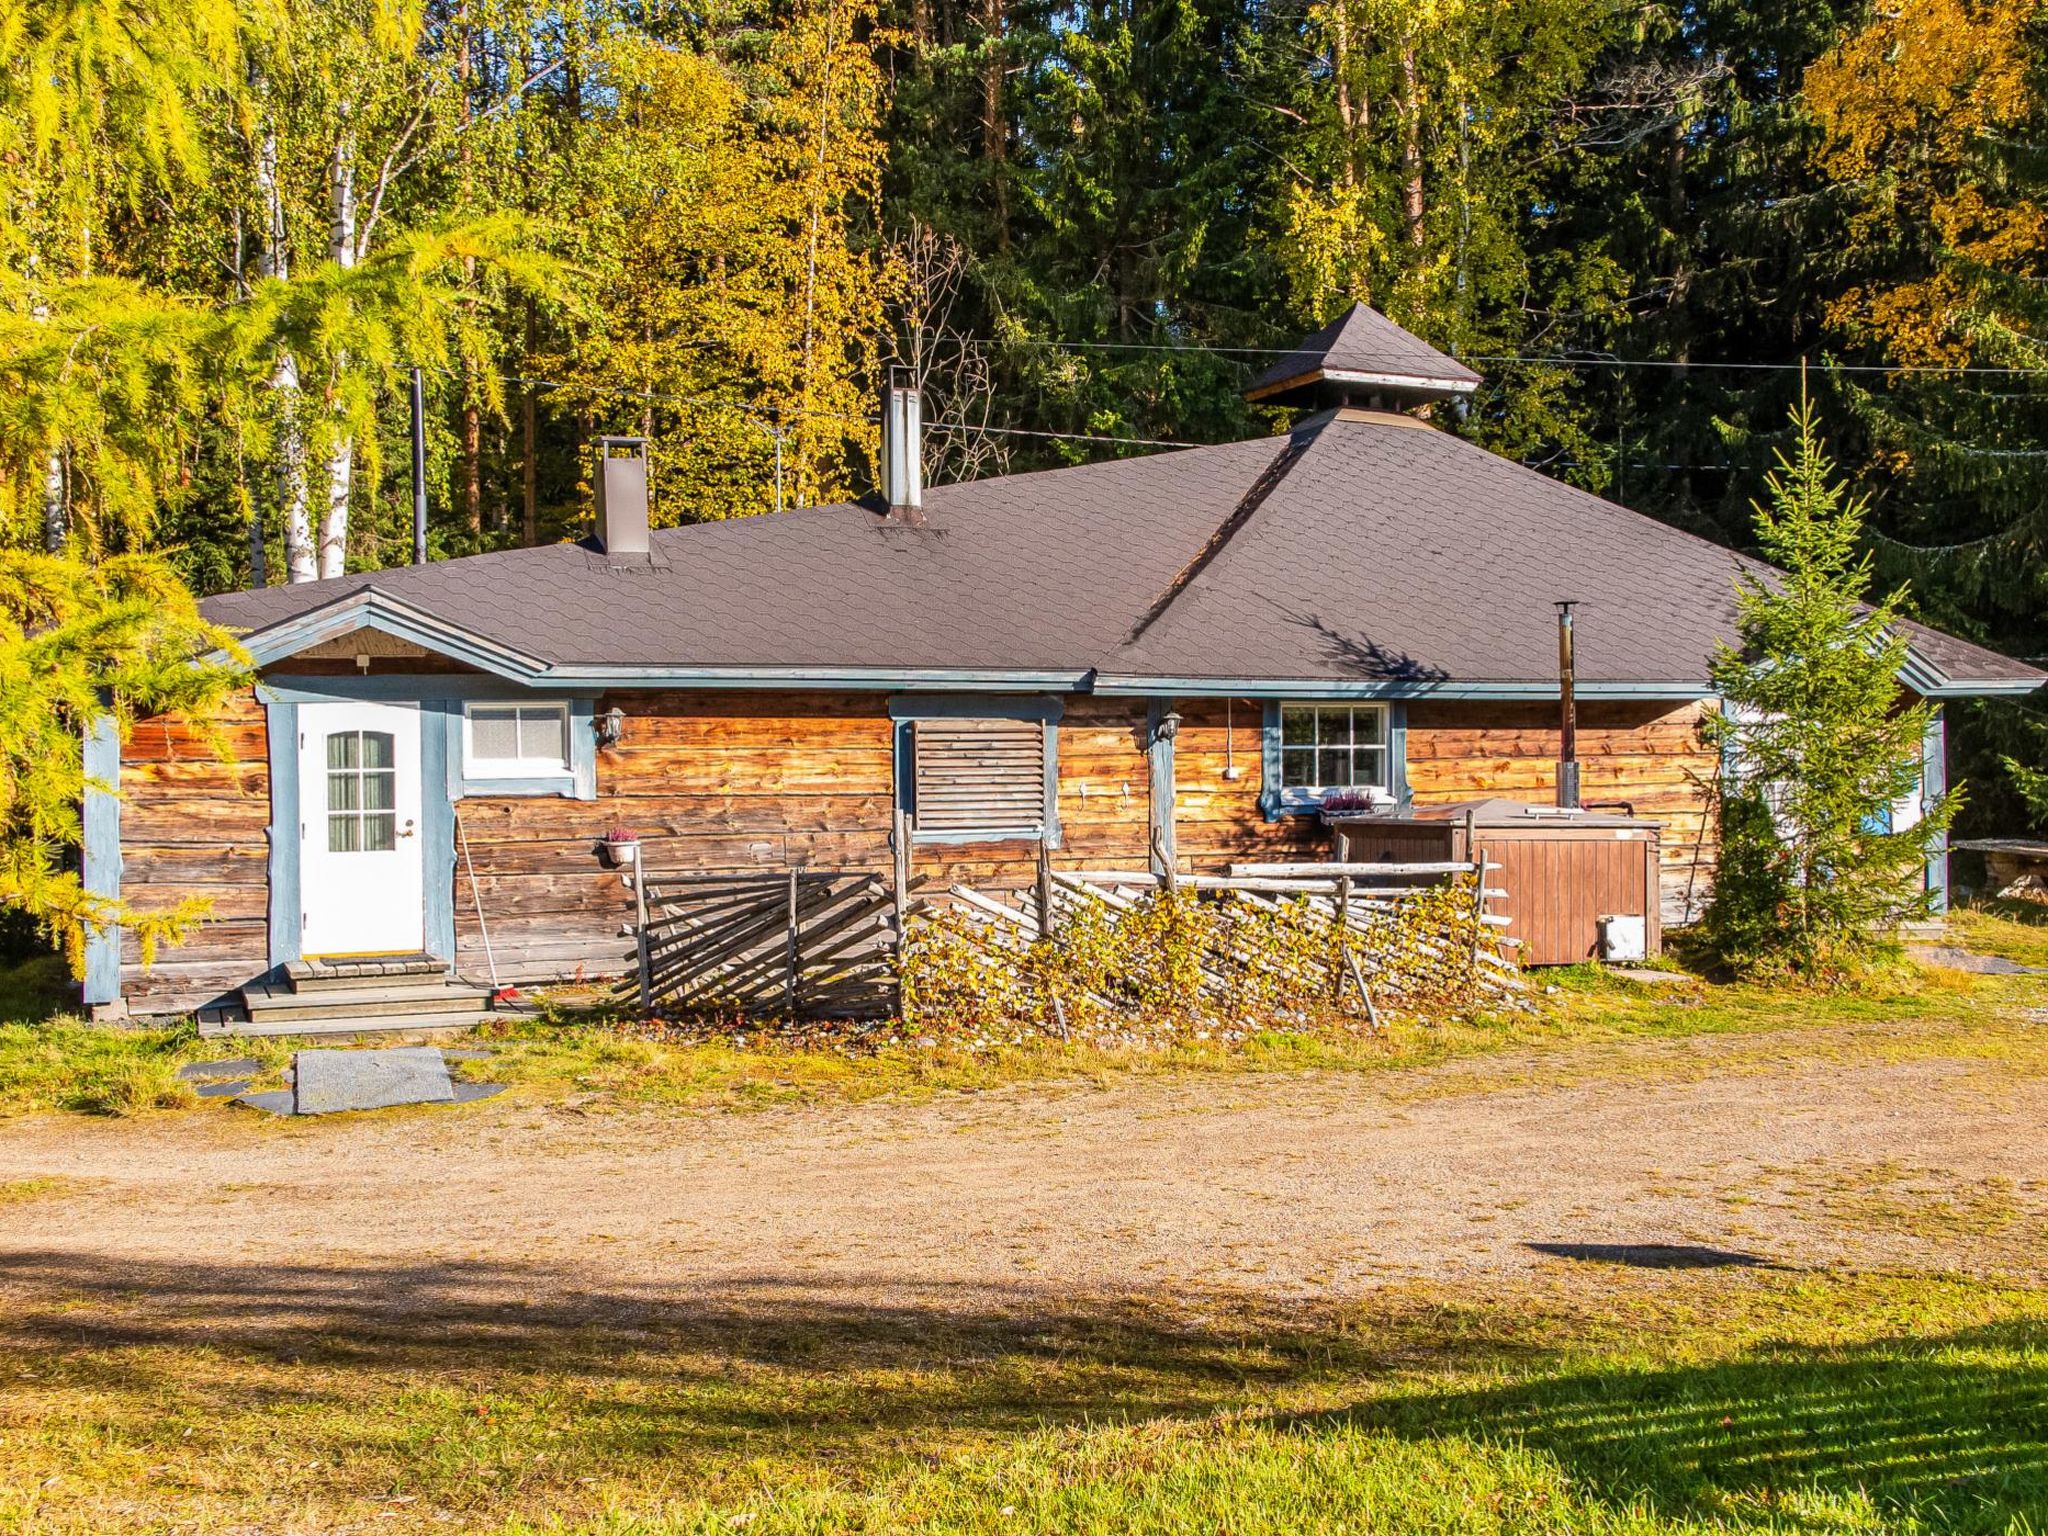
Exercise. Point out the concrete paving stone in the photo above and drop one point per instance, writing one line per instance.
(332, 1081)
(465, 1054)
(222, 1090)
(469, 1093)
(276, 1102)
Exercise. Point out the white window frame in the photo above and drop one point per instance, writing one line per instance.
(1300, 797)
(475, 767)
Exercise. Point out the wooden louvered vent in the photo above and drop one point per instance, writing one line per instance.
(985, 776)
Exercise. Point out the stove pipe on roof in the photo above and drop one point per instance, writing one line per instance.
(903, 448)
(622, 495)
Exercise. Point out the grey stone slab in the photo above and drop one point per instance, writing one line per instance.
(241, 1066)
(276, 1102)
(1963, 960)
(1644, 976)
(469, 1093)
(453, 1054)
(332, 1081)
(222, 1090)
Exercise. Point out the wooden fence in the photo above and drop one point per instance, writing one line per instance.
(803, 942)
(825, 943)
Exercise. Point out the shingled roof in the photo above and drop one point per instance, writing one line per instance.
(1358, 356)
(1362, 550)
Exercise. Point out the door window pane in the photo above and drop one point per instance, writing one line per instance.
(362, 792)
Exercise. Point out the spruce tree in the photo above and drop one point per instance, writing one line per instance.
(1820, 748)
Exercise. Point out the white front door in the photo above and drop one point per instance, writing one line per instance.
(361, 890)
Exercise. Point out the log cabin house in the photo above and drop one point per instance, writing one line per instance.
(1148, 662)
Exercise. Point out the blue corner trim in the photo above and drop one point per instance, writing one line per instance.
(1269, 762)
(437, 826)
(102, 855)
(281, 720)
(1397, 754)
(1162, 844)
(1933, 787)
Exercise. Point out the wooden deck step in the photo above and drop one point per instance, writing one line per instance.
(343, 1024)
(371, 971)
(410, 997)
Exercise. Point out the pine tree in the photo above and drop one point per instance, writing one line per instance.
(1819, 750)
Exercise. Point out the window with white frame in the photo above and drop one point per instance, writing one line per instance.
(517, 741)
(1326, 748)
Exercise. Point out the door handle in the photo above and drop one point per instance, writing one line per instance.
(406, 830)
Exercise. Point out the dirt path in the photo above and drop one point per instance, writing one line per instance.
(1291, 1185)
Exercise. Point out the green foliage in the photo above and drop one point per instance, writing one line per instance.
(1819, 748)
(75, 641)
(1163, 965)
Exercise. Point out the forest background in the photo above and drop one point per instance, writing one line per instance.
(229, 230)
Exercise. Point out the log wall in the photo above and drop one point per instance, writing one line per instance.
(1647, 755)
(192, 824)
(727, 780)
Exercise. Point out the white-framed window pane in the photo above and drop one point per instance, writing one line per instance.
(544, 735)
(494, 733)
(1333, 746)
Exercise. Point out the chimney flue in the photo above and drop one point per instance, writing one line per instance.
(903, 448)
(1568, 705)
(622, 495)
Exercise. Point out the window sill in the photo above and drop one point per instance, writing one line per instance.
(983, 835)
(563, 784)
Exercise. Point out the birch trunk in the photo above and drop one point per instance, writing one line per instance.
(56, 510)
(275, 261)
(341, 457)
(1412, 206)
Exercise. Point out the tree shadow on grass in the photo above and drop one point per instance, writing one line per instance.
(491, 1363)
(664, 1370)
(1951, 1430)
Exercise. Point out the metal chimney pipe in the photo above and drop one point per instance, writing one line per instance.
(419, 469)
(1568, 704)
(903, 448)
(622, 495)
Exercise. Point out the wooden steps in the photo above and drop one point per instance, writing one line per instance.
(387, 993)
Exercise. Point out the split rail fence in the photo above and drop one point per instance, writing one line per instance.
(827, 944)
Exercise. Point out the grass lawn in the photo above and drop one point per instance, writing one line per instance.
(1597, 1397)
(1615, 1400)
(49, 1062)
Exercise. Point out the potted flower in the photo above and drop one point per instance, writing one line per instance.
(621, 846)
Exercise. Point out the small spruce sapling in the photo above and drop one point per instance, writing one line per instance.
(1819, 744)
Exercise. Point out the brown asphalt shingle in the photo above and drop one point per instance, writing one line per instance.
(1373, 547)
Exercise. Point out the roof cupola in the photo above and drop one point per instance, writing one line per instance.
(1362, 358)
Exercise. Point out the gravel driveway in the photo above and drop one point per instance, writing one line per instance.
(1292, 1186)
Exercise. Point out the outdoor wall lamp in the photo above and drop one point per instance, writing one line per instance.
(610, 726)
(1169, 726)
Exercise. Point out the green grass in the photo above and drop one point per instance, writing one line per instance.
(56, 1063)
(1602, 1400)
